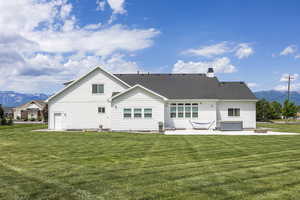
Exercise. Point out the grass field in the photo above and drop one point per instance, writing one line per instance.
(71, 166)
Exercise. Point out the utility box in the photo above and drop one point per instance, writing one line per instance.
(231, 126)
(160, 127)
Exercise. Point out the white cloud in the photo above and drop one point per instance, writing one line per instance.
(244, 51)
(220, 65)
(117, 6)
(241, 50)
(293, 87)
(297, 56)
(252, 85)
(210, 50)
(43, 45)
(285, 77)
(100, 5)
(291, 49)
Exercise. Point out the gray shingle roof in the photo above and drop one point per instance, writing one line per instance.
(189, 86)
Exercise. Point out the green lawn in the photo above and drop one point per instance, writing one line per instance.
(53, 165)
(292, 128)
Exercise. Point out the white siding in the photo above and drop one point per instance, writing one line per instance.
(80, 107)
(207, 114)
(137, 98)
(247, 112)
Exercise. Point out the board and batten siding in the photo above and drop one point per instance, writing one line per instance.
(247, 112)
(80, 107)
(137, 98)
(206, 114)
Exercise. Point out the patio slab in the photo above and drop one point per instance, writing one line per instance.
(216, 132)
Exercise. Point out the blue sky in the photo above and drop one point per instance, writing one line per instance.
(50, 42)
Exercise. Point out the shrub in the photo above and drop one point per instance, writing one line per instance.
(32, 119)
(18, 117)
(10, 121)
(3, 121)
(25, 120)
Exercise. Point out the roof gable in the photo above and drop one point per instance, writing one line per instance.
(135, 87)
(70, 84)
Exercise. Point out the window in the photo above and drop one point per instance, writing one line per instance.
(137, 113)
(233, 112)
(187, 110)
(195, 110)
(148, 113)
(101, 109)
(97, 88)
(173, 110)
(180, 110)
(127, 113)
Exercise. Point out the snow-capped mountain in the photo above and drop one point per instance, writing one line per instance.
(13, 99)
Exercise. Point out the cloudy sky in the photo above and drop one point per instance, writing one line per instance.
(44, 43)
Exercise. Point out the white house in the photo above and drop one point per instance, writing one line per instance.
(30, 110)
(122, 102)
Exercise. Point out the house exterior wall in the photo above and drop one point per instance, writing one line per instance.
(206, 114)
(79, 106)
(247, 112)
(137, 98)
(31, 114)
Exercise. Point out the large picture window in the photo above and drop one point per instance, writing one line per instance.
(233, 112)
(187, 110)
(180, 110)
(195, 110)
(127, 113)
(147, 113)
(173, 110)
(137, 113)
(97, 88)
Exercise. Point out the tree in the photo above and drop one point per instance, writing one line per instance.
(276, 110)
(1, 112)
(263, 110)
(289, 109)
(45, 113)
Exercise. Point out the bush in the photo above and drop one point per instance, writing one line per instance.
(18, 117)
(39, 119)
(32, 119)
(3, 121)
(10, 122)
(25, 120)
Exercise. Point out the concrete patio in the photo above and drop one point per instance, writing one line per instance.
(216, 132)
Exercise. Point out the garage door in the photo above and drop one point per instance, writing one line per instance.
(58, 121)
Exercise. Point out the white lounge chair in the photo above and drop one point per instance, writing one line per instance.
(204, 125)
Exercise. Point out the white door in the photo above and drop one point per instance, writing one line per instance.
(58, 120)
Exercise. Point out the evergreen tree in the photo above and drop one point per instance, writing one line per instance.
(289, 109)
(263, 110)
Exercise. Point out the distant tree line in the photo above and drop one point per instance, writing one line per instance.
(266, 111)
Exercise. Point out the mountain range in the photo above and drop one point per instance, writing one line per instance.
(13, 99)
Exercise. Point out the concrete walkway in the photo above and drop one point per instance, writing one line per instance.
(213, 132)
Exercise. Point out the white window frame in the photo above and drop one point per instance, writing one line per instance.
(127, 113)
(140, 113)
(101, 109)
(148, 113)
(97, 92)
(234, 112)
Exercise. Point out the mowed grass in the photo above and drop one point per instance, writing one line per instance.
(292, 128)
(57, 165)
